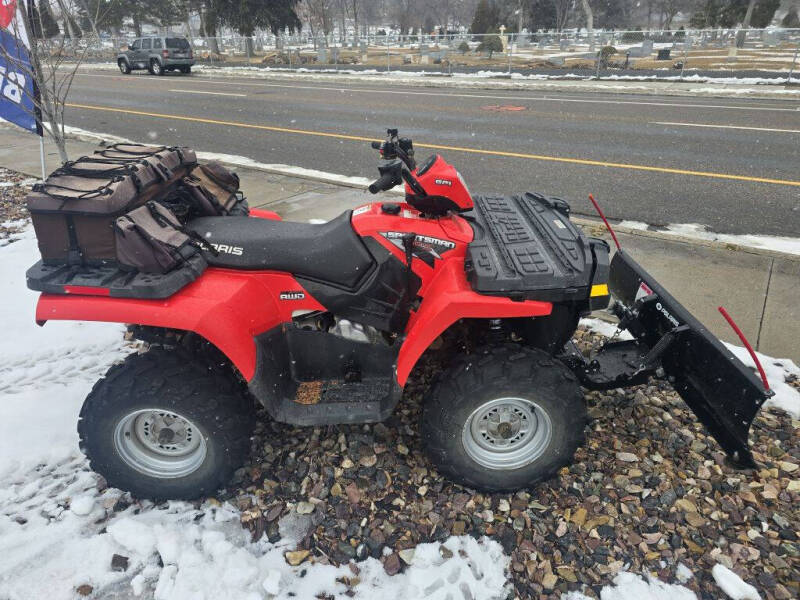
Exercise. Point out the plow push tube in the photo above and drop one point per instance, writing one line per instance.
(724, 393)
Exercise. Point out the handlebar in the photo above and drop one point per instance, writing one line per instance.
(385, 182)
(376, 145)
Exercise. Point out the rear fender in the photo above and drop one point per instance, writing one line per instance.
(448, 299)
(260, 213)
(228, 308)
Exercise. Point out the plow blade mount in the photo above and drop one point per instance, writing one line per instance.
(668, 341)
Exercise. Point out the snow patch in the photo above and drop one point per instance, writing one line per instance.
(778, 371)
(634, 225)
(605, 328)
(730, 583)
(629, 586)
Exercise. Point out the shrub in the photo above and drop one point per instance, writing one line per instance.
(491, 44)
(463, 47)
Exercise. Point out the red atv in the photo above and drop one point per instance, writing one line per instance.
(323, 324)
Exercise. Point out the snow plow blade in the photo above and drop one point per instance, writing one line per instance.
(668, 341)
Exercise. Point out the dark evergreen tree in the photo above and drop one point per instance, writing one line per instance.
(491, 44)
(791, 20)
(245, 16)
(485, 19)
(45, 25)
(763, 12)
(542, 14)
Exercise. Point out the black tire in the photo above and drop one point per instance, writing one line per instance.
(155, 67)
(124, 67)
(502, 372)
(176, 382)
(186, 70)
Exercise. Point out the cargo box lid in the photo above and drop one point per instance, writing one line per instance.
(525, 246)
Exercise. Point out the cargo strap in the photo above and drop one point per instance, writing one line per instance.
(74, 254)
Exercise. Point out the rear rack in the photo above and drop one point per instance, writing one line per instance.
(109, 280)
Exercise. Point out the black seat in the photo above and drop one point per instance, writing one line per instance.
(330, 252)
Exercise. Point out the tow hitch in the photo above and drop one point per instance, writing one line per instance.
(669, 342)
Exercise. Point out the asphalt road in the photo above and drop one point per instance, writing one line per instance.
(730, 164)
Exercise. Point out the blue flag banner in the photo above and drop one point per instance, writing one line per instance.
(16, 84)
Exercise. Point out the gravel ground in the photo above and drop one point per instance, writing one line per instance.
(13, 214)
(649, 491)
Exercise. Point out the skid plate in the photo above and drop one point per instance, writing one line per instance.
(725, 394)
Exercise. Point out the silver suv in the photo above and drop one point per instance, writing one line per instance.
(157, 55)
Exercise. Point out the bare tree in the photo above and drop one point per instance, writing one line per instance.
(587, 10)
(320, 16)
(563, 9)
(53, 65)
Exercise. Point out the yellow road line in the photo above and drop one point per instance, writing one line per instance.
(541, 157)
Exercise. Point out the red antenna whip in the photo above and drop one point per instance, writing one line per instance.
(747, 345)
(602, 216)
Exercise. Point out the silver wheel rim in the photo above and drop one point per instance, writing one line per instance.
(160, 443)
(506, 433)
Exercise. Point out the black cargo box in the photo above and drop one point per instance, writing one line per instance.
(525, 247)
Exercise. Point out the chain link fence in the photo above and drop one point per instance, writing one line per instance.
(662, 53)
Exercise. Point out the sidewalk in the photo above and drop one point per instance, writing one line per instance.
(758, 287)
(692, 85)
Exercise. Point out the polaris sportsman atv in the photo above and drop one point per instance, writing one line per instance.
(323, 324)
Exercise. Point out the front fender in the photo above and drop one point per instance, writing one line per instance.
(448, 299)
(228, 308)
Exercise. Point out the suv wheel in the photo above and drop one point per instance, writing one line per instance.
(186, 70)
(155, 67)
(124, 67)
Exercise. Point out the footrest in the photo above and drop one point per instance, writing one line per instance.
(332, 402)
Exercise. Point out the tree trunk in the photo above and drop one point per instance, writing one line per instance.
(137, 25)
(92, 18)
(355, 23)
(742, 33)
(589, 23)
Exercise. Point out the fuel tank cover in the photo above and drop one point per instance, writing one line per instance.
(390, 208)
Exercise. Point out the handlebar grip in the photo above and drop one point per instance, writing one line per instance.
(383, 183)
(376, 145)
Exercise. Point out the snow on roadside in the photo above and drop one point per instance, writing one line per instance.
(790, 245)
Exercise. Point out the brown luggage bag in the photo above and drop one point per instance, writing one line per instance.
(74, 210)
(213, 189)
